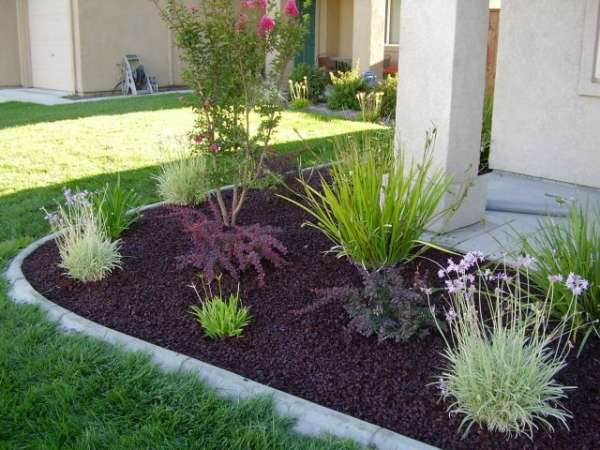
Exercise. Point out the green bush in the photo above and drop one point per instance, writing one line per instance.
(221, 317)
(376, 206)
(113, 204)
(345, 87)
(86, 251)
(183, 181)
(389, 88)
(501, 371)
(486, 131)
(570, 249)
(316, 78)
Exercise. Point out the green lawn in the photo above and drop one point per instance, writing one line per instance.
(60, 391)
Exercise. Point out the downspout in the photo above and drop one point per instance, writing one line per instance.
(75, 40)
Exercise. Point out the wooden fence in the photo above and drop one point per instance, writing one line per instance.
(492, 50)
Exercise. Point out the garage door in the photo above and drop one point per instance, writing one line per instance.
(51, 40)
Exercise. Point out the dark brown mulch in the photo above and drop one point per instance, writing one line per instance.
(311, 355)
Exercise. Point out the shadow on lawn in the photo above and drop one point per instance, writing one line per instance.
(21, 215)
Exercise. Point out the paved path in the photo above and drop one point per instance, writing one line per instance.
(51, 97)
(516, 203)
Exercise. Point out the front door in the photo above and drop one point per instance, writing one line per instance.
(307, 55)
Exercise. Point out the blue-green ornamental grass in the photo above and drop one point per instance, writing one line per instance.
(501, 369)
(571, 249)
(220, 317)
(377, 204)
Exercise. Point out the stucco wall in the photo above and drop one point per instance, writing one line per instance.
(111, 28)
(9, 44)
(542, 126)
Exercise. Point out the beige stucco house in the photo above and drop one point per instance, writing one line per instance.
(75, 45)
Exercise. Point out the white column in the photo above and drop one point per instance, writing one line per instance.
(368, 35)
(442, 57)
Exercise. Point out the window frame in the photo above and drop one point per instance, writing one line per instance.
(388, 23)
(589, 70)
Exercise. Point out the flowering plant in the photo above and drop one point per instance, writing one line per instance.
(226, 51)
(502, 352)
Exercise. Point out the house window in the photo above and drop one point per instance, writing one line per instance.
(589, 71)
(392, 22)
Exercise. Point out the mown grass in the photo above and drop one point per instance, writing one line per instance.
(71, 392)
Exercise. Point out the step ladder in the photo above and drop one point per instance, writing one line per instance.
(130, 65)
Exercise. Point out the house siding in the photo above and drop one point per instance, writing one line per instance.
(9, 44)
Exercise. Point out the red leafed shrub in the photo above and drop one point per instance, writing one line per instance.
(234, 249)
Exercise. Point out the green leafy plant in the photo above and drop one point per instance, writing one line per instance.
(86, 251)
(183, 181)
(224, 48)
(113, 204)
(385, 307)
(486, 131)
(502, 354)
(376, 204)
(220, 317)
(317, 80)
(389, 88)
(299, 94)
(573, 248)
(370, 105)
(345, 87)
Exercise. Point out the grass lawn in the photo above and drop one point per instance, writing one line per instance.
(60, 391)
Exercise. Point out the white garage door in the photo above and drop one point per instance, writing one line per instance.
(51, 40)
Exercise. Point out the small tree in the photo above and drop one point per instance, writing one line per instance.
(225, 50)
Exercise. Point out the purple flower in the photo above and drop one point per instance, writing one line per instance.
(525, 261)
(454, 286)
(451, 315)
(441, 273)
(555, 278)
(576, 284)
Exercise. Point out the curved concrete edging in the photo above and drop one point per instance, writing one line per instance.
(310, 418)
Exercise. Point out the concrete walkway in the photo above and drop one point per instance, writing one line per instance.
(51, 97)
(516, 204)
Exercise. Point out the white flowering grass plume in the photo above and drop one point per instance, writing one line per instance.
(502, 353)
(183, 180)
(86, 251)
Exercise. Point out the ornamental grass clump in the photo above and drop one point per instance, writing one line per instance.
(370, 105)
(572, 249)
(298, 94)
(502, 352)
(375, 204)
(236, 98)
(220, 317)
(183, 181)
(86, 251)
(114, 205)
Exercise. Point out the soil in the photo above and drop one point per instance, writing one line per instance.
(311, 355)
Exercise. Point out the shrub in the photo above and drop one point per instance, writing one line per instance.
(220, 317)
(486, 131)
(370, 105)
(299, 94)
(384, 307)
(217, 248)
(389, 89)
(85, 249)
(316, 77)
(113, 204)
(224, 50)
(183, 181)
(376, 205)
(570, 249)
(345, 87)
(501, 371)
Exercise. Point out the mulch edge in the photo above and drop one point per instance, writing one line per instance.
(310, 418)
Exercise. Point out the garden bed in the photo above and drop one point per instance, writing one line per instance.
(311, 354)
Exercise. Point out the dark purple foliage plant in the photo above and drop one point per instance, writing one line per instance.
(217, 248)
